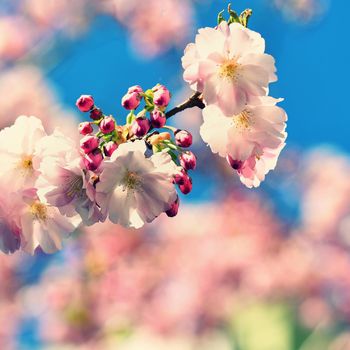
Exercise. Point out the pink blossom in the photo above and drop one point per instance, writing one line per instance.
(109, 148)
(161, 96)
(140, 127)
(183, 138)
(89, 143)
(188, 160)
(131, 100)
(174, 208)
(158, 119)
(96, 114)
(85, 128)
(85, 103)
(93, 160)
(229, 66)
(107, 125)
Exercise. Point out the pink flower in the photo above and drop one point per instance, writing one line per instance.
(43, 225)
(257, 129)
(19, 152)
(131, 100)
(93, 160)
(186, 187)
(174, 208)
(252, 171)
(63, 183)
(229, 66)
(134, 189)
(183, 138)
(107, 125)
(140, 127)
(161, 96)
(96, 114)
(89, 143)
(85, 128)
(158, 119)
(188, 160)
(135, 88)
(109, 148)
(85, 103)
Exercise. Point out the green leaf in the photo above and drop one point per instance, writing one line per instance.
(244, 17)
(130, 117)
(221, 17)
(233, 15)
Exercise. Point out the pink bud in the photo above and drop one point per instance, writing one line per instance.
(173, 210)
(135, 88)
(88, 143)
(109, 148)
(187, 186)
(93, 160)
(107, 125)
(183, 138)
(96, 114)
(85, 128)
(181, 177)
(188, 160)
(235, 164)
(158, 119)
(131, 101)
(161, 96)
(140, 127)
(85, 103)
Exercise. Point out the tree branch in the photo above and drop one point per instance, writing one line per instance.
(196, 100)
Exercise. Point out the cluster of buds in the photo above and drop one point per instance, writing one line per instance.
(102, 135)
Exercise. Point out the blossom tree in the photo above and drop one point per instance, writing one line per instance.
(130, 173)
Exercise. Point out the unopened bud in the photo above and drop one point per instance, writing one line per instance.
(85, 103)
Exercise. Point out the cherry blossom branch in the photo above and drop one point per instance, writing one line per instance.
(196, 100)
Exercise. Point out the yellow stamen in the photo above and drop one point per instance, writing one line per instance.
(39, 211)
(228, 70)
(243, 121)
(131, 181)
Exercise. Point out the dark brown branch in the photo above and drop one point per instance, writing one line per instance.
(196, 100)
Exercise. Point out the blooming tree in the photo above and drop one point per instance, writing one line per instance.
(130, 173)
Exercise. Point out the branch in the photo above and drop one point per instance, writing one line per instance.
(196, 100)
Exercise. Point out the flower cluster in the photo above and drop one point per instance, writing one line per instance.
(229, 67)
(127, 173)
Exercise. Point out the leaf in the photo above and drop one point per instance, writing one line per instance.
(221, 17)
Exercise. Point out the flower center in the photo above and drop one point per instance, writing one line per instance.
(25, 165)
(228, 70)
(131, 181)
(39, 211)
(243, 120)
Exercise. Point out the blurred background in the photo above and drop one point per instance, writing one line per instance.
(237, 269)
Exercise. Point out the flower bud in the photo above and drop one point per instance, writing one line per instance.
(161, 96)
(188, 160)
(183, 138)
(85, 103)
(93, 160)
(181, 177)
(157, 138)
(96, 114)
(187, 186)
(107, 125)
(135, 88)
(131, 101)
(173, 210)
(235, 164)
(88, 143)
(158, 119)
(140, 127)
(109, 148)
(85, 128)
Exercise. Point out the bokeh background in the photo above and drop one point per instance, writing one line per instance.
(237, 269)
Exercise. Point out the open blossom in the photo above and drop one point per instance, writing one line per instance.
(134, 189)
(42, 225)
(19, 153)
(229, 66)
(256, 127)
(62, 182)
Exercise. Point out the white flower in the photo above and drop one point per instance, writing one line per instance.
(134, 189)
(240, 136)
(43, 225)
(18, 149)
(229, 66)
(62, 182)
